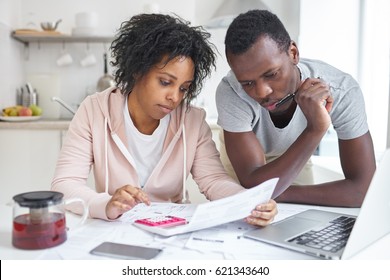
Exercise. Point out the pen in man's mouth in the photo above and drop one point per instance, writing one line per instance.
(285, 99)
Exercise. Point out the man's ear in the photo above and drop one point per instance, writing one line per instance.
(294, 52)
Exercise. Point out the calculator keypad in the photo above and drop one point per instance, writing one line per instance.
(162, 221)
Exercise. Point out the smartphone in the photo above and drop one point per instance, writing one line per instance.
(162, 221)
(125, 251)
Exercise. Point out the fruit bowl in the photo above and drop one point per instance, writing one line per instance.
(19, 113)
(19, 118)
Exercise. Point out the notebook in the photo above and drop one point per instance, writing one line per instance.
(357, 233)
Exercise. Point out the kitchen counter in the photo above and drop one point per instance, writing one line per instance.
(59, 124)
(46, 124)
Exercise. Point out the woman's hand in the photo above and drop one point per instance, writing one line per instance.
(124, 199)
(263, 214)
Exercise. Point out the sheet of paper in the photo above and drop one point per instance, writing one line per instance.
(231, 208)
(227, 238)
(142, 211)
(219, 238)
(210, 214)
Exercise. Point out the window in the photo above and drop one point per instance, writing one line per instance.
(353, 35)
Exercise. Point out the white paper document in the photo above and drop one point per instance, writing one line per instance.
(208, 214)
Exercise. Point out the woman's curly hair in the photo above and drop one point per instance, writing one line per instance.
(145, 39)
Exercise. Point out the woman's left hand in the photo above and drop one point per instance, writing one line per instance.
(263, 214)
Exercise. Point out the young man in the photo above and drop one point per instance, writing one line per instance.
(266, 137)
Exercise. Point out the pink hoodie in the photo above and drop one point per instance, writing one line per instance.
(97, 139)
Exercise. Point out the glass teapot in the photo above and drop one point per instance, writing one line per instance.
(39, 219)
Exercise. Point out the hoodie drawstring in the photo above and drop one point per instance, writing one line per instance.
(185, 198)
(106, 152)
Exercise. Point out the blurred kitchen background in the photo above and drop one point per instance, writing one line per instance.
(353, 35)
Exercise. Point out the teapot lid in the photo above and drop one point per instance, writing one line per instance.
(38, 199)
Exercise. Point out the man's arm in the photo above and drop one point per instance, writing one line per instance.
(248, 160)
(357, 160)
(358, 164)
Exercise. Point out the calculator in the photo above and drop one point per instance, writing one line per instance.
(162, 221)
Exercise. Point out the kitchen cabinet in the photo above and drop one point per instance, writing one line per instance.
(28, 160)
(29, 153)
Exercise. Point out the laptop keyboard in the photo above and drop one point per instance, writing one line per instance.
(332, 237)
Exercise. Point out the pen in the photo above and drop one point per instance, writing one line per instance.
(285, 99)
(208, 240)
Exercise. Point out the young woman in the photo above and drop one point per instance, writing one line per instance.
(143, 138)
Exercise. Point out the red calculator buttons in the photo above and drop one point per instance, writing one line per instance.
(162, 221)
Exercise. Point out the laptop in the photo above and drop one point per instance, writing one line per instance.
(311, 231)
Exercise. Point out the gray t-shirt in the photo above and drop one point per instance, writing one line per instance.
(238, 112)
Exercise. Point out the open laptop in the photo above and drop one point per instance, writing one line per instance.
(309, 232)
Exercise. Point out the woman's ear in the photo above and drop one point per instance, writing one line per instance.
(294, 52)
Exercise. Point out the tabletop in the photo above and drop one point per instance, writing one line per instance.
(191, 246)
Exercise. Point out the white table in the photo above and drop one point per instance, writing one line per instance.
(93, 232)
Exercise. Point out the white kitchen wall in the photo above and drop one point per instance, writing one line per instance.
(352, 34)
(11, 53)
(77, 81)
(111, 13)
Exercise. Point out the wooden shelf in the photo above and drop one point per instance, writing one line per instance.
(46, 37)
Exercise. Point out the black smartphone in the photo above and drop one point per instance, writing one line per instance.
(125, 251)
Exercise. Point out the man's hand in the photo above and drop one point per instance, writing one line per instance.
(315, 100)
